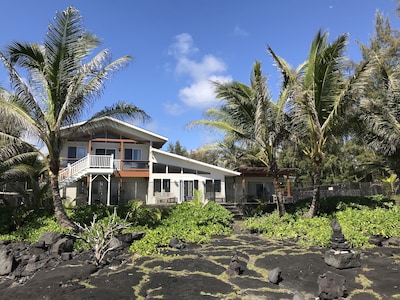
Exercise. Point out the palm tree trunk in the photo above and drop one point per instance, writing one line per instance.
(315, 203)
(280, 205)
(59, 211)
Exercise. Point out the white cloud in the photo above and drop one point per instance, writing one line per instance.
(238, 31)
(208, 66)
(198, 92)
(183, 46)
(174, 109)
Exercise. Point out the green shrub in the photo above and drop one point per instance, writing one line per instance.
(358, 223)
(83, 214)
(306, 231)
(32, 230)
(190, 222)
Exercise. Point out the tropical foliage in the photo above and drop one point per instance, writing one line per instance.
(64, 79)
(250, 119)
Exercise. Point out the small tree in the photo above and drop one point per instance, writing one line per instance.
(100, 234)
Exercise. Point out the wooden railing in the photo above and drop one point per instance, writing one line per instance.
(88, 162)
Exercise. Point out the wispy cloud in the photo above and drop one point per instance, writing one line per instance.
(238, 31)
(182, 46)
(174, 109)
(199, 91)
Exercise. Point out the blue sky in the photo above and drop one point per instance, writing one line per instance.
(180, 45)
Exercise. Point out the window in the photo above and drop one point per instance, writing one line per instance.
(217, 186)
(174, 169)
(209, 186)
(196, 184)
(188, 189)
(105, 152)
(159, 168)
(77, 152)
(133, 154)
(166, 185)
(213, 186)
(157, 185)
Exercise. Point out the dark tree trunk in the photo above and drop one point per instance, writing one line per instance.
(280, 205)
(315, 202)
(59, 211)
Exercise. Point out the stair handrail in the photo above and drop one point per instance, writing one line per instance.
(74, 168)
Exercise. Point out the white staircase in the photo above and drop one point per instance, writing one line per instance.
(90, 164)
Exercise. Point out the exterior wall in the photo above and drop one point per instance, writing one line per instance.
(178, 193)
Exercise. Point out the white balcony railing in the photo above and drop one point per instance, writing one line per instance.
(80, 167)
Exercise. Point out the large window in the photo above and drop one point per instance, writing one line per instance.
(165, 183)
(133, 154)
(213, 186)
(132, 159)
(209, 186)
(101, 151)
(188, 189)
(74, 154)
(77, 152)
(217, 185)
(157, 185)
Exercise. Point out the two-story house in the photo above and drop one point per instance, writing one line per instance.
(115, 162)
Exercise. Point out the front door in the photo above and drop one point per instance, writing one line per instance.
(99, 191)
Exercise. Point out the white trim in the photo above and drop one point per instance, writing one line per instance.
(192, 161)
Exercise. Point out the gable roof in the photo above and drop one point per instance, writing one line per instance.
(160, 156)
(126, 129)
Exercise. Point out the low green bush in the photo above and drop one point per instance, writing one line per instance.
(190, 222)
(359, 221)
(38, 223)
(359, 224)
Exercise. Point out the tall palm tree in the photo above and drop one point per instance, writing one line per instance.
(380, 105)
(250, 118)
(64, 79)
(319, 93)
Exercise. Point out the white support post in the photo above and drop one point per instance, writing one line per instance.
(108, 190)
(112, 161)
(90, 190)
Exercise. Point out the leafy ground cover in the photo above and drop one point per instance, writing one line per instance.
(197, 222)
(359, 217)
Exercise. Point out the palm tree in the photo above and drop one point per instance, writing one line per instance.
(380, 110)
(64, 79)
(251, 120)
(319, 93)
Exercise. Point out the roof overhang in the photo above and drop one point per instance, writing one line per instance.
(163, 157)
(126, 129)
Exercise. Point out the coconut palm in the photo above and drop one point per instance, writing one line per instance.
(251, 120)
(380, 103)
(64, 78)
(319, 93)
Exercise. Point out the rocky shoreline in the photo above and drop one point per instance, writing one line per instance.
(242, 266)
